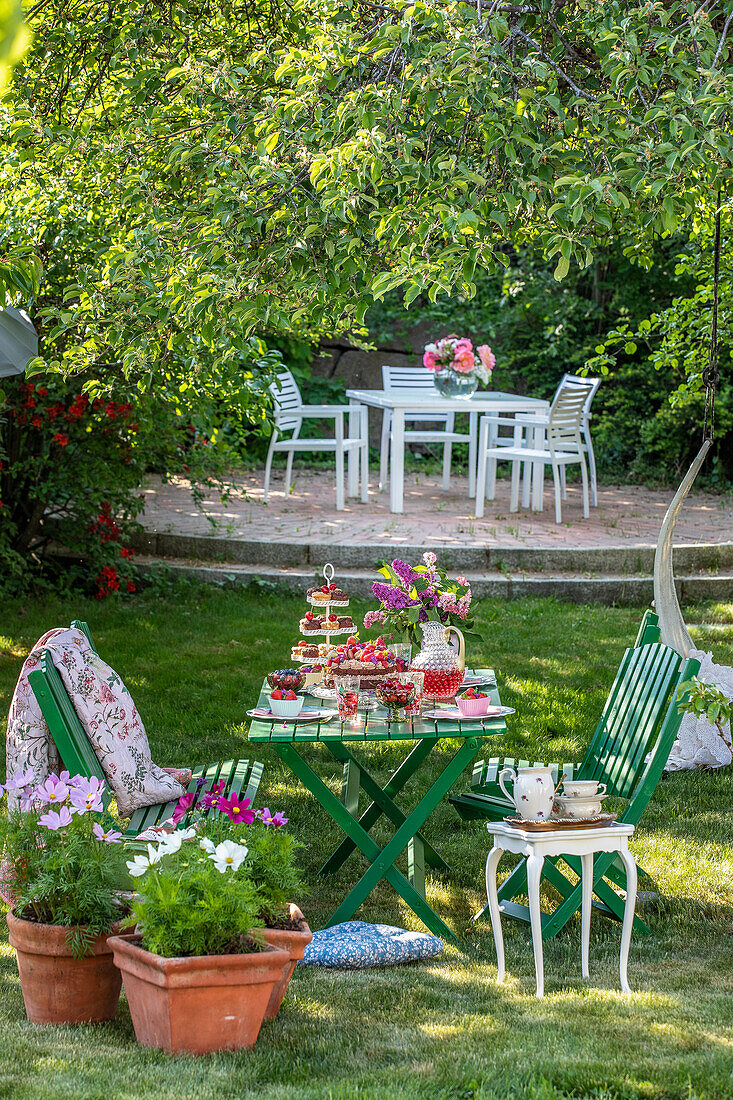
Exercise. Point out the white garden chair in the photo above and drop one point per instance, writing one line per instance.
(420, 378)
(563, 446)
(539, 421)
(290, 412)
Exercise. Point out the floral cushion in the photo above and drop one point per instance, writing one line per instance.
(28, 743)
(114, 729)
(355, 945)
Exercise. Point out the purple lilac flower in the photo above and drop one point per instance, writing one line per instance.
(53, 820)
(405, 572)
(53, 791)
(109, 836)
(393, 599)
(430, 597)
(423, 616)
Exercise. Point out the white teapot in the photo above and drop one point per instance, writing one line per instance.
(534, 792)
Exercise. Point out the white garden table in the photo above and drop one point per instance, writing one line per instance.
(559, 842)
(416, 401)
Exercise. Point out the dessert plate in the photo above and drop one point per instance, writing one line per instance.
(307, 714)
(474, 681)
(453, 714)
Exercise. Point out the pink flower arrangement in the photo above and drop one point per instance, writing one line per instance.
(457, 353)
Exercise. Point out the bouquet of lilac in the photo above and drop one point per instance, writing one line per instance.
(417, 594)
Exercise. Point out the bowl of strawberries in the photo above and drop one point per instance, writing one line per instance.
(285, 703)
(473, 703)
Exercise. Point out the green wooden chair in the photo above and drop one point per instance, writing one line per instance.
(628, 752)
(78, 756)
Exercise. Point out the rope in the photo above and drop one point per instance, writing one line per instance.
(711, 373)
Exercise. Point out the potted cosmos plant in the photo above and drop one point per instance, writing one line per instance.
(61, 864)
(271, 862)
(203, 969)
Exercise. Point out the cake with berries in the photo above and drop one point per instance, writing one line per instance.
(372, 661)
(325, 624)
(328, 593)
(310, 650)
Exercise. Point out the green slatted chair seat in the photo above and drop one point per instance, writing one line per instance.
(628, 752)
(240, 776)
(619, 744)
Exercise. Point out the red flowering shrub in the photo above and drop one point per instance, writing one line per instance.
(70, 465)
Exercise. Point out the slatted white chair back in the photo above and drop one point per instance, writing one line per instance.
(407, 378)
(414, 378)
(577, 380)
(567, 411)
(285, 395)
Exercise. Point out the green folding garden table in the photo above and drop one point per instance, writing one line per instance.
(420, 737)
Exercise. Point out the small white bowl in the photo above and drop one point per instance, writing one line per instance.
(287, 708)
(578, 808)
(582, 788)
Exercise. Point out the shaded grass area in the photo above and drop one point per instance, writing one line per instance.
(194, 661)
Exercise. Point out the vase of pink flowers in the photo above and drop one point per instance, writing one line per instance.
(457, 366)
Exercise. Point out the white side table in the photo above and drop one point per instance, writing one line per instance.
(559, 842)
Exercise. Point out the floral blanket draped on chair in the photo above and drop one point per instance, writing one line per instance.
(109, 717)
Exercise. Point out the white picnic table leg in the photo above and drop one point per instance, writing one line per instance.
(481, 464)
(397, 469)
(364, 410)
(585, 908)
(472, 431)
(353, 459)
(492, 894)
(535, 863)
(631, 877)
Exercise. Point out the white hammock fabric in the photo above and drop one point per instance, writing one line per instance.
(699, 745)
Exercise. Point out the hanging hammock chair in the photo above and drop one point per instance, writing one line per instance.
(699, 743)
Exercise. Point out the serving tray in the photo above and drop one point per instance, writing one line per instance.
(561, 823)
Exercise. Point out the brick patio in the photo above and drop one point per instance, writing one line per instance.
(627, 515)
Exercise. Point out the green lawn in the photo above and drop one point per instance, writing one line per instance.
(194, 659)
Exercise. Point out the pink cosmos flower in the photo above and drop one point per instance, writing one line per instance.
(53, 791)
(210, 798)
(268, 818)
(486, 356)
(86, 796)
(279, 819)
(237, 809)
(184, 804)
(21, 780)
(53, 820)
(109, 836)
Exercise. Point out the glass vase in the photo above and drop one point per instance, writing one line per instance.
(450, 383)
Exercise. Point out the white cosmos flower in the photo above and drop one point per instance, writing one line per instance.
(228, 856)
(207, 845)
(139, 865)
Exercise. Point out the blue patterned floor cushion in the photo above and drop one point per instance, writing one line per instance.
(355, 944)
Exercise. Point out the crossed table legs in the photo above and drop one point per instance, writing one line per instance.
(407, 827)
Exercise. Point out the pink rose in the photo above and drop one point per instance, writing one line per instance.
(486, 356)
(464, 361)
(429, 361)
(464, 344)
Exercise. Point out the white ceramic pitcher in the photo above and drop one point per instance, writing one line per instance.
(534, 790)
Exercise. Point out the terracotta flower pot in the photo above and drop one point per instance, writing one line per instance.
(295, 944)
(57, 987)
(196, 1005)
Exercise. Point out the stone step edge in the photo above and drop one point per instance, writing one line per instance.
(615, 560)
(575, 588)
